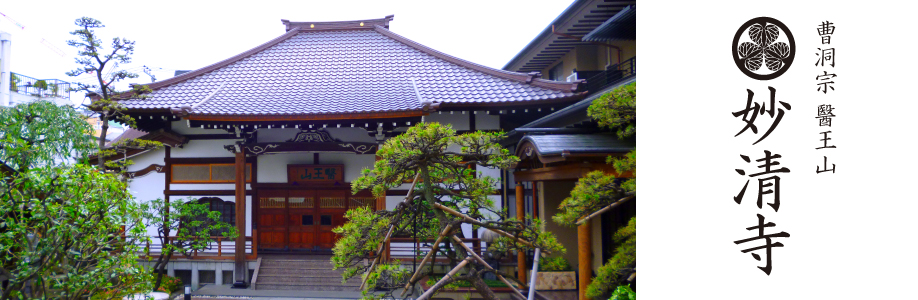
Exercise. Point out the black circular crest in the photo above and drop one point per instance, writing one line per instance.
(764, 58)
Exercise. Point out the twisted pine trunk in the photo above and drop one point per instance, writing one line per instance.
(473, 277)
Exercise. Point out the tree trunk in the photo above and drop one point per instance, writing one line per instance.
(103, 118)
(161, 269)
(483, 288)
(460, 252)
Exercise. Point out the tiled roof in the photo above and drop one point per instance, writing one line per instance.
(346, 70)
(557, 144)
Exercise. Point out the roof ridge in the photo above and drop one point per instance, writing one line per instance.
(510, 75)
(338, 25)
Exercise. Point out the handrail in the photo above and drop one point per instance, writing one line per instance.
(154, 250)
(39, 87)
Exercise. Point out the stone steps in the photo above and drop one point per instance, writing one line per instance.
(293, 287)
(297, 272)
(336, 280)
(302, 273)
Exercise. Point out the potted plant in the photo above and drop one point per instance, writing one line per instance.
(14, 82)
(40, 86)
(555, 273)
(54, 89)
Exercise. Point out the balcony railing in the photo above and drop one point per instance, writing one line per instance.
(598, 80)
(220, 248)
(44, 88)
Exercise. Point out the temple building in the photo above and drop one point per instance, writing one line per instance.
(272, 137)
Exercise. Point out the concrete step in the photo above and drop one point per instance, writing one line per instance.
(311, 264)
(298, 271)
(278, 279)
(304, 287)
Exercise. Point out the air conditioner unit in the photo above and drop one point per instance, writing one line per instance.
(572, 78)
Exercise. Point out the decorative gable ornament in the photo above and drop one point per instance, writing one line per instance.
(313, 136)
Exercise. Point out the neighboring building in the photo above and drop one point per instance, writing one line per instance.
(591, 40)
(275, 135)
(25, 89)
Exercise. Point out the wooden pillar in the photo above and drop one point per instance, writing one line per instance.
(240, 279)
(584, 257)
(520, 215)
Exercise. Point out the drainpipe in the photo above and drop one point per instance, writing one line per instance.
(5, 41)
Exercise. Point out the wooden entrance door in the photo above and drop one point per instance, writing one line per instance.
(272, 219)
(304, 219)
(330, 214)
(301, 211)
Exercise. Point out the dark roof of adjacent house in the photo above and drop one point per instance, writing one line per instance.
(352, 67)
(129, 134)
(581, 17)
(559, 144)
(550, 148)
(621, 26)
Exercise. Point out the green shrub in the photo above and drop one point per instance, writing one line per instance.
(554, 264)
(623, 292)
(170, 284)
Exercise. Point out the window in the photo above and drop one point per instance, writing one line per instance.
(556, 72)
(208, 173)
(227, 209)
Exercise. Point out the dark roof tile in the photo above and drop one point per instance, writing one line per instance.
(343, 71)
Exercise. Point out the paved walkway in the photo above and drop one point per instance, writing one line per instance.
(212, 292)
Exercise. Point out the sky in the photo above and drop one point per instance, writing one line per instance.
(188, 35)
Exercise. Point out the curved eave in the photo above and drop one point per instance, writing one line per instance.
(306, 117)
(618, 27)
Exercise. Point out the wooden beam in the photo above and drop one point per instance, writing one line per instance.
(426, 295)
(604, 209)
(584, 258)
(240, 266)
(469, 220)
(433, 249)
(520, 215)
(483, 262)
(568, 172)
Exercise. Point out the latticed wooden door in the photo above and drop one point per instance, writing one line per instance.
(301, 220)
(331, 207)
(272, 219)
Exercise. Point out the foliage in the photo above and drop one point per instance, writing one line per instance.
(94, 60)
(193, 224)
(620, 265)
(442, 161)
(592, 192)
(170, 284)
(41, 85)
(617, 110)
(67, 230)
(14, 82)
(489, 282)
(554, 264)
(623, 292)
(40, 132)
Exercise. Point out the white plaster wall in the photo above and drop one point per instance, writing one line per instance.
(345, 134)
(353, 163)
(459, 120)
(181, 127)
(274, 135)
(204, 148)
(484, 121)
(273, 167)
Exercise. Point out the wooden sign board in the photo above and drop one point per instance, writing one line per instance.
(315, 173)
